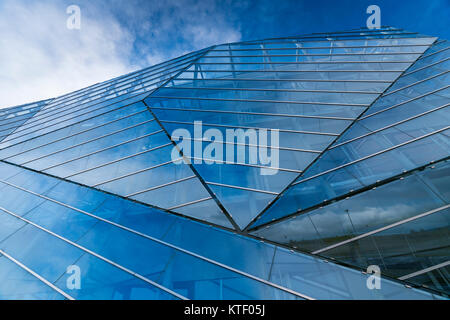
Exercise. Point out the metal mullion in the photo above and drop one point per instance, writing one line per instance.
(190, 203)
(413, 84)
(404, 102)
(161, 186)
(34, 274)
(285, 80)
(320, 54)
(291, 71)
(252, 145)
(436, 52)
(390, 226)
(426, 270)
(77, 133)
(390, 126)
(266, 101)
(245, 164)
(240, 188)
(87, 141)
(275, 90)
(256, 128)
(74, 117)
(343, 47)
(127, 82)
(255, 113)
(336, 38)
(162, 242)
(372, 155)
(74, 244)
(303, 62)
(103, 149)
(425, 67)
(135, 172)
(117, 160)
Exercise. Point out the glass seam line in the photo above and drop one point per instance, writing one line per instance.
(390, 126)
(77, 116)
(96, 255)
(119, 79)
(103, 149)
(290, 185)
(284, 80)
(90, 140)
(299, 62)
(163, 243)
(436, 52)
(135, 172)
(265, 101)
(75, 134)
(190, 202)
(160, 186)
(248, 145)
(255, 113)
(381, 229)
(84, 105)
(317, 54)
(304, 39)
(415, 83)
(266, 90)
(75, 123)
(120, 159)
(425, 67)
(241, 188)
(37, 276)
(256, 128)
(332, 48)
(426, 270)
(291, 71)
(373, 155)
(403, 102)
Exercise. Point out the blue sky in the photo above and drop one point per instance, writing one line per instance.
(41, 58)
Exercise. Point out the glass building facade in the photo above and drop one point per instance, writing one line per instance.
(96, 180)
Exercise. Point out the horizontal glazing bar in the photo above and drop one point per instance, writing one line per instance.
(417, 273)
(382, 229)
(77, 133)
(160, 186)
(103, 149)
(256, 128)
(96, 255)
(189, 203)
(404, 102)
(118, 160)
(415, 83)
(136, 172)
(254, 113)
(267, 101)
(37, 276)
(372, 155)
(163, 242)
(88, 141)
